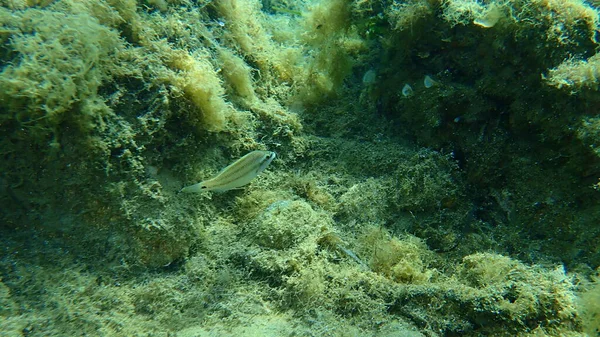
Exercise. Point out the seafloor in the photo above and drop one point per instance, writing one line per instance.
(437, 170)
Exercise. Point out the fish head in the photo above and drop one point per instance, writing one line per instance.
(266, 159)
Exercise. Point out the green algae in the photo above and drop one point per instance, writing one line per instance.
(467, 208)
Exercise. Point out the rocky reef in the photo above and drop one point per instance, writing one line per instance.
(437, 168)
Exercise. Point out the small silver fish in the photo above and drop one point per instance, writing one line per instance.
(238, 174)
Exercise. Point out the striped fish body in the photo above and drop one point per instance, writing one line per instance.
(235, 175)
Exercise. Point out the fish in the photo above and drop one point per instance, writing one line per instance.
(236, 175)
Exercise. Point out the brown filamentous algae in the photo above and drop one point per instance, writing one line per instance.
(235, 175)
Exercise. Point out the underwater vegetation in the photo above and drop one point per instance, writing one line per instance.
(437, 168)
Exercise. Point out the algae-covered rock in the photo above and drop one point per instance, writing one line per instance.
(574, 75)
(466, 205)
(7, 303)
(367, 201)
(54, 63)
(287, 234)
(426, 180)
(589, 305)
(285, 223)
(404, 261)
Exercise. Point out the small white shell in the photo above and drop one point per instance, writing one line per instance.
(370, 77)
(428, 82)
(489, 17)
(407, 90)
